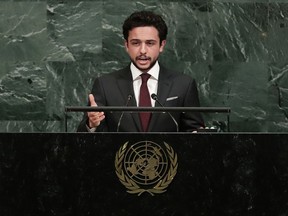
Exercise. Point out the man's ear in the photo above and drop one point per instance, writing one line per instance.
(126, 45)
(162, 45)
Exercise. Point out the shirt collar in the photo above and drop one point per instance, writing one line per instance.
(154, 71)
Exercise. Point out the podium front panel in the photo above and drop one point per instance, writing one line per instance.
(76, 174)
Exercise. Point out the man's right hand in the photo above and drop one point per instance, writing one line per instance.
(95, 118)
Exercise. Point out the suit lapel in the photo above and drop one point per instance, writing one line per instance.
(164, 87)
(125, 84)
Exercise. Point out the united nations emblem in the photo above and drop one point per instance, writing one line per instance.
(146, 167)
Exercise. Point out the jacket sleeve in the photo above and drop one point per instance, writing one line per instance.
(191, 121)
(98, 95)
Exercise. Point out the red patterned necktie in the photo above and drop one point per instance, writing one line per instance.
(144, 101)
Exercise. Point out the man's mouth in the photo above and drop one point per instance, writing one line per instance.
(143, 59)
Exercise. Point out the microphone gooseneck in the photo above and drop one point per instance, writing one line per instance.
(121, 116)
(154, 97)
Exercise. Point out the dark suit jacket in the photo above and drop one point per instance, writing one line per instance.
(113, 90)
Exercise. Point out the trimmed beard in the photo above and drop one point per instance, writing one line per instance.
(145, 70)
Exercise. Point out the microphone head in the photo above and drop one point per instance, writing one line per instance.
(154, 96)
(130, 97)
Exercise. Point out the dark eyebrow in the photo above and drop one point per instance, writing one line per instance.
(134, 40)
(151, 40)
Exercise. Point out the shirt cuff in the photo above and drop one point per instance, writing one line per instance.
(91, 129)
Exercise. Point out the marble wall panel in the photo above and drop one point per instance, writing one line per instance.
(51, 51)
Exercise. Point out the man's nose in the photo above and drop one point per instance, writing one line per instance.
(143, 48)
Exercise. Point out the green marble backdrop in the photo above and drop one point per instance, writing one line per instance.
(51, 51)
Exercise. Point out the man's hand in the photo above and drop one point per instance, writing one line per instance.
(95, 118)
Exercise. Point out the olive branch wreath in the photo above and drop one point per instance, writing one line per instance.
(131, 185)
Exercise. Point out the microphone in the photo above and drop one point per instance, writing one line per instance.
(121, 116)
(154, 97)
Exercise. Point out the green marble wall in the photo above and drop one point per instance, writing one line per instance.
(51, 50)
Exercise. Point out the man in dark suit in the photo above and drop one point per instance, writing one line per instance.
(145, 38)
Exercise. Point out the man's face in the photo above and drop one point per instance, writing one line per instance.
(143, 46)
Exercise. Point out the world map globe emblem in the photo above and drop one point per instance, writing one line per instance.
(146, 166)
(146, 162)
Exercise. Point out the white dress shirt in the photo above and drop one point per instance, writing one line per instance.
(152, 82)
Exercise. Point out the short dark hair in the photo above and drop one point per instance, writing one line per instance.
(145, 18)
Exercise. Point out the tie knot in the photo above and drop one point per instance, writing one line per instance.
(145, 77)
